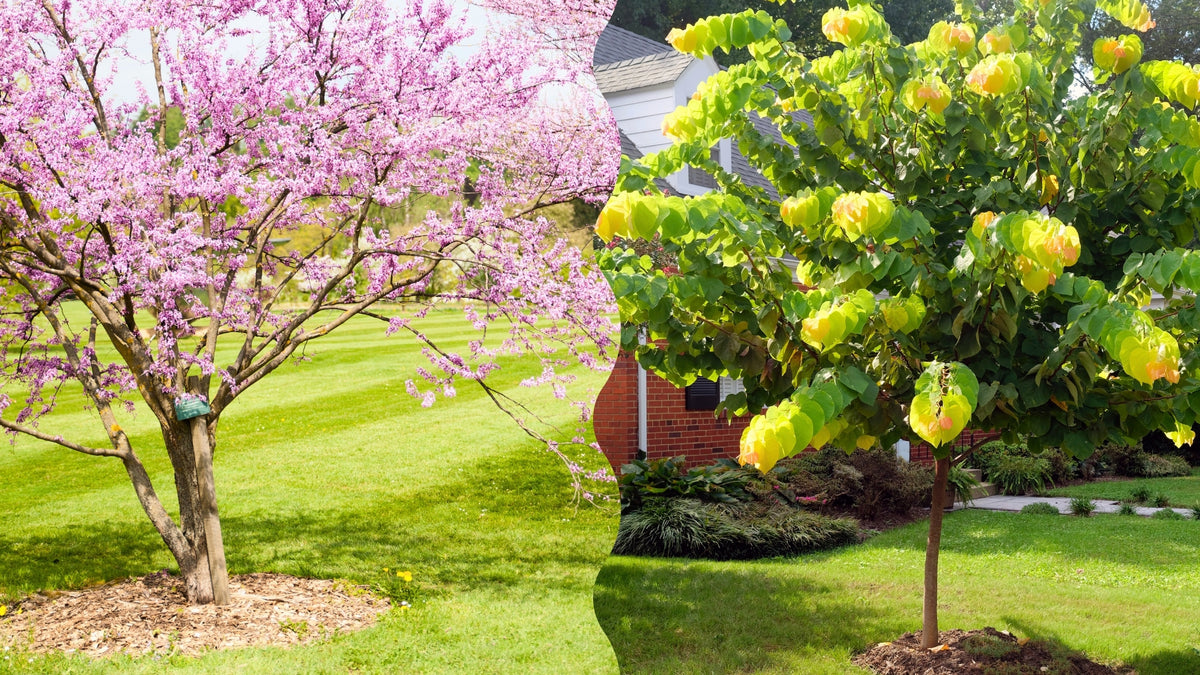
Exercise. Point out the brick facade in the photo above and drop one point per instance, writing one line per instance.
(673, 430)
(923, 452)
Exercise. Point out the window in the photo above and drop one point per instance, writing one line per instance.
(701, 178)
(704, 394)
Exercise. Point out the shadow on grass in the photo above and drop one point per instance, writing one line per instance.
(1160, 663)
(75, 556)
(501, 521)
(1168, 663)
(681, 616)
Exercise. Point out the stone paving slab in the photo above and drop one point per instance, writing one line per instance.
(1063, 504)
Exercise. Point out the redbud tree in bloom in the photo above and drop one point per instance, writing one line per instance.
(962, 239)
(147, 260)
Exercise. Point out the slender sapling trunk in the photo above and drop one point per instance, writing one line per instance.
(929, 620)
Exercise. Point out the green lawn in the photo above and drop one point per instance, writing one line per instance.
(1182, 491)
(1119, 589)
(329, 469)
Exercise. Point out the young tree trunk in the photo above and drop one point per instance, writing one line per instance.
(214, 545)
(189, 446)
(929, 620)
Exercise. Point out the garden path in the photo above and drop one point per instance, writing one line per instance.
(1063, 504)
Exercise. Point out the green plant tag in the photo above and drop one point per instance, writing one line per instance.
(192, 407)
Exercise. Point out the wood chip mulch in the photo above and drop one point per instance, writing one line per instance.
(1006, 654)
(151, 615)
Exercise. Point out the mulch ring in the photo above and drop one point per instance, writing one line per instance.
(979, 652)
(151, 615)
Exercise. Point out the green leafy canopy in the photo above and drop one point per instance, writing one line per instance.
(961, 237)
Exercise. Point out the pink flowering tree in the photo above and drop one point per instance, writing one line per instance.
(171, 210)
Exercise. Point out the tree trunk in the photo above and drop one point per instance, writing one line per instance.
(929, 620)
(214, 549)
(189, 446)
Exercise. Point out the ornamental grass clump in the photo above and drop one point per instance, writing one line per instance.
(1082, 506)
(689, 528)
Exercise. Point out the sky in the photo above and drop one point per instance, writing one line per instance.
(137, 70)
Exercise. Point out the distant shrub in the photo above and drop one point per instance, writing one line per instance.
(1133, 461)
(1052, 465)
(1082, 506)
(1167, 514)
(888, 484)
(1160, 466)
(1063, 468)
(1018, 475)
(983, 458)
(1121, 460)
(690, 528)
(1040, 509)
(1127, 510)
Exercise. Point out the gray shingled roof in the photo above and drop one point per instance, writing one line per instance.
(617, 44)
(625, 60)
(644, 71)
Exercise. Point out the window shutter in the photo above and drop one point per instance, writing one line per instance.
(701, 178)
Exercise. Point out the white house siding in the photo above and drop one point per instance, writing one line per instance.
(639, 114)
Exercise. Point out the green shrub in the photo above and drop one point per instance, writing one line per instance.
(1133, 461)
(1140, 494)
(1160, 500)
(983, 458)
(1167, 514)
(997, 455)
(676, 527)
(1127, 510)
(1122, 460)
(869, 483)
(1040, 509)
(725, 481)
(1160, 466)
(1082, 506)
(690, 528)
(1196, 511)
(888, 484)
(1018, 475)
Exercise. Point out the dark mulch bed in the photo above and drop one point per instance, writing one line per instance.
(979, 652)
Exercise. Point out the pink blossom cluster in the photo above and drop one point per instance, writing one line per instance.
(239, 197)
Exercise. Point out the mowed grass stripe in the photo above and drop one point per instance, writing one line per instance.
(330, 469)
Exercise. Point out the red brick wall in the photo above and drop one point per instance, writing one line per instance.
(671, 429)
(923, 452)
